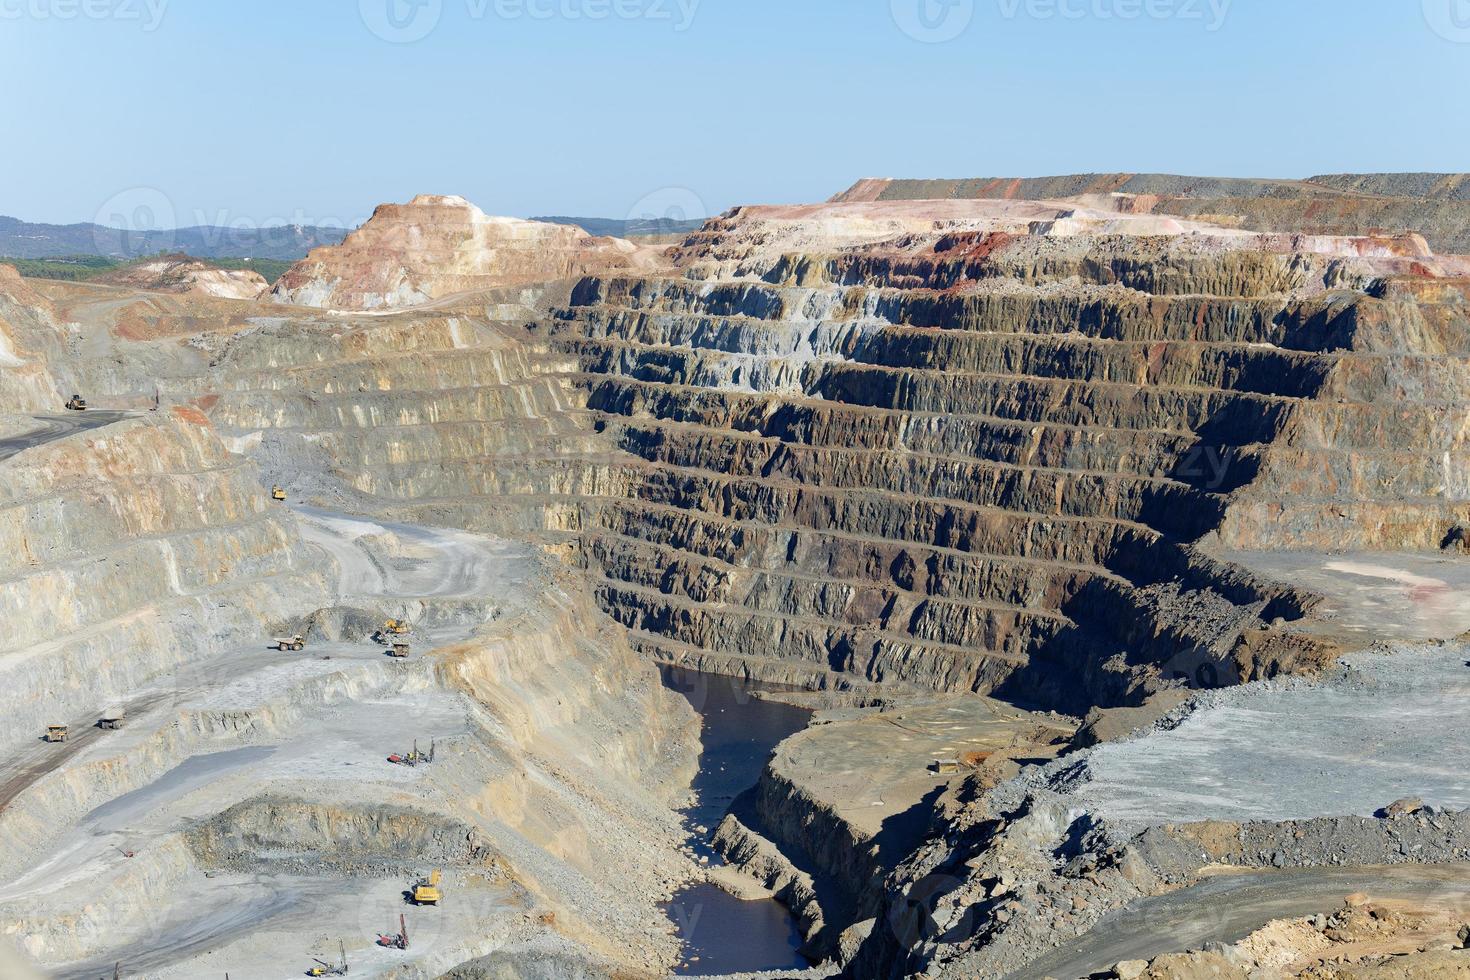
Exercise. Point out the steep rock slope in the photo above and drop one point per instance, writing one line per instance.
(131, 552)
(456, 415)
(149, 567)
(967, 445)
(977, 456)
(410, 254)
(26, 384)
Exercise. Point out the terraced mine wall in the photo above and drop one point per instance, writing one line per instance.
(986, 468)
(979, 465)
(444, 419)
(149, 547)
(457, 416)
(956, 461)
(962, 461)
(525, 811)
(127, 548)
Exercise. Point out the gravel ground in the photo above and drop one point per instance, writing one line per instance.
(1394, 724)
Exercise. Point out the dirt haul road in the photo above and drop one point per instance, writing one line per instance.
(50, 428)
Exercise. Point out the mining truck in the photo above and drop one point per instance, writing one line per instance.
(296, 643)
(56, 733)
(76, 404)
(399, 651)
(278, 492)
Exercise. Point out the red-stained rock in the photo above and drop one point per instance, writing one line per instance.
(412, 254)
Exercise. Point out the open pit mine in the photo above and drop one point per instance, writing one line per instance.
(984, 578)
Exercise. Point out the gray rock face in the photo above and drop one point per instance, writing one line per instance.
(980, 460)
(1301, 751)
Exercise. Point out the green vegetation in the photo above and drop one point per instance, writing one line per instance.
(72, 268)
(80, 268)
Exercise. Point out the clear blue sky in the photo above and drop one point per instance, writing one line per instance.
(248, 111)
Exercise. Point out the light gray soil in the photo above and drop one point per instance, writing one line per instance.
(1392, 726)
(1228, 908)
(1372, 597)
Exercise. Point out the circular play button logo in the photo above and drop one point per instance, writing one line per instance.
(933, 21)
(401, 21)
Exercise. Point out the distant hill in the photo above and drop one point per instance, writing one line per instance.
(288, 243)
(615, 228)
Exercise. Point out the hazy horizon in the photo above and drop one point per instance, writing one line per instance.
(367, 213)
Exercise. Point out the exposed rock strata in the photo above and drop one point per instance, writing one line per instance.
(574, 751)
(181, 274)
(1007, 884)
(26, 384)
(978, 447)
(410, 254)
(979, 459)
(967, 449)
(129, 553)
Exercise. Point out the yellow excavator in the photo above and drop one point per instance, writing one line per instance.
(427, 892)
(397, 627)
(278, 492)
